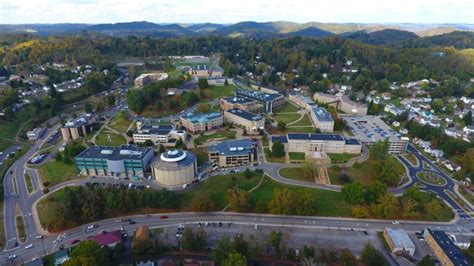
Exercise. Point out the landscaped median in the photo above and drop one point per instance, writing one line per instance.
(430, 178)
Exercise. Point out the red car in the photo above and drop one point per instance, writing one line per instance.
(75, 241)
(163, 217)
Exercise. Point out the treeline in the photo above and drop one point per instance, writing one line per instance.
(155, 95)
(90, 203)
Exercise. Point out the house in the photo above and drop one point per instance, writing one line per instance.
(109, 239)
(469, 130)
(60, 257)
(36, 133)
(462, 241)
(399, 241)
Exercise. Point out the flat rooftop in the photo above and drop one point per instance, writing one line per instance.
(78, 122)
(369, 129)
(245, 115)
(315, 136)
(258, 95)
(322, 114)
(202, 118)
(124, 152)
(155, 129)
(233, 147)
(236, 99)
(400, 238)
(449, 248)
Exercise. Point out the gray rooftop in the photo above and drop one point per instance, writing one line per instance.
(245, 114)
(400, 238)
(233, 147)
(124, 152)
(155, 129)
(236, 99)
(170, 165)
(322, 114)
(258, 95)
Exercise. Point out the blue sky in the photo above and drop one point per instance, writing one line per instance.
(225, 11)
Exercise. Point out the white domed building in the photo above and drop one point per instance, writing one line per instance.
(174, 168)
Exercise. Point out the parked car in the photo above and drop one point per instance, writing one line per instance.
(162, 217)
(75, 241)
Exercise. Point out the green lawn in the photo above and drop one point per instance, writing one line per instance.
(120, 122)
(216, 187)
(106, 138)
(296, 173)
(152, 113)
(289, 108)
(303, 122)
(201, 155)
(226, 134)
(466, 194)
(286, 118)
(272, 159)
(215, 92)
(56, 172)
(411, 158)
(328, 203)
(292, 129)
(297, 155)
(29, 185)
(20, 226)
(174, 74)
(431, 179)
(341, 157)
(365, 173)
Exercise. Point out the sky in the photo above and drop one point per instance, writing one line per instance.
(231, 11)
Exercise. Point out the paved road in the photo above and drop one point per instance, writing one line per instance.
(175, 219)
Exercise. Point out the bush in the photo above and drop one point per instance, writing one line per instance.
(46, 190)
(46, 183)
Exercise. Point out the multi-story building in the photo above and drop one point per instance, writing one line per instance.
(121, 161)
(166, 135)
(203, 71)
(36, 133)
(77, 128)
(242, 103)
(370, 129)
(252, 123)
(174, 168)
(271, 101)
(196, 123)
(321, 119)
(147, 78)
(233, 153)
(341, 102)
(444, 248)
(301, 101)
(399, 242)
(313, 142)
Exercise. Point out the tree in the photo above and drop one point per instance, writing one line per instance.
(408, 208)
(468, 118)
(434, 210)
(281, 126)
(222, 250)
(347, 258)
(360, 212)
(278, 149)
(275, 241)
(202, 83)
(180, 144)
(247, 173)
(427, 261)
(235, 259)
(202, 202)
(379, 150)
(387, 206)
(372, 257)
(194, 242)
(353, 193)
(161, 148)
(239, 199)
(87, 107)
(306, 202)
(283, 201)
(110, 100)
(90, 251)
(375, 190)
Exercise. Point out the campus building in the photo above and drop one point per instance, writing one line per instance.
(321, 119)
(165, 135)
(148, 78)
(203, 71)
(174, 168)
(242, 103)
(77, 128)
(271, 102)
(36, 133)
(252, 123)
(370, 129)
(313, 142)
(444, 248)
(121, 161)
(233, 153)
(341, 102)
(302, 101)
(196, 123)
(399, 242)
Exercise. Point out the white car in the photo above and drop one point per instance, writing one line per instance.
(395, 222)
(29, 246)
(39, 237)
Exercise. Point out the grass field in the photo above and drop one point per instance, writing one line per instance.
(431, 179)
(289, 108)
(226, 134)
(107, 138)
(364, 172)
(341, 157)
(29, 185)
(466, 194)
(56, 172)
(304, 122)
(286, 118)
(214, 92)
(272, 159)
(20, 226)
(120, 122)
(411, 158)
(217, 187)
(152, 113)
(296, 173)
(296, 155)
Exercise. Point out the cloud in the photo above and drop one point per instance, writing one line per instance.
(195, 11)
